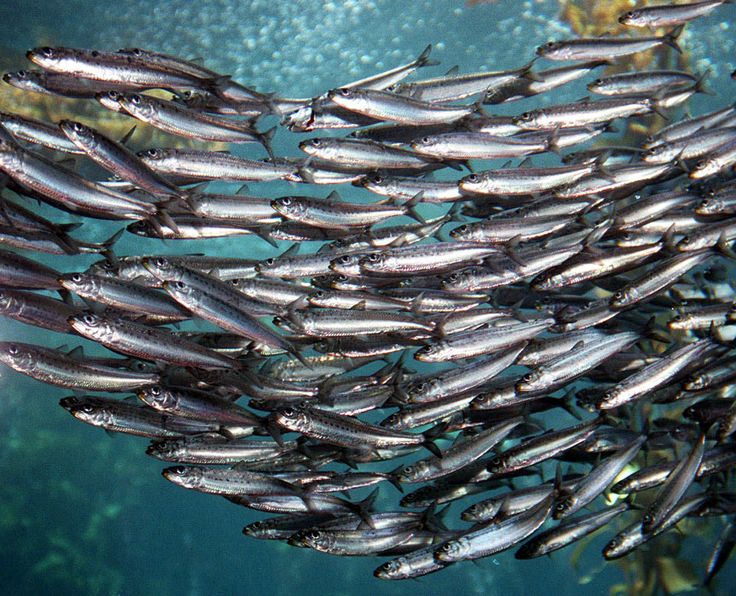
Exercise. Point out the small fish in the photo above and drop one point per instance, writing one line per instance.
(57, 368)
(117, 158)
(674, 488)
(149, 343)
(567, 533)
(605, 48)
(113, 68)
(36, 309)
(387, 106)
(667, 15)
(487, 541)
(655, 375)
(454, 87)
(115, 415)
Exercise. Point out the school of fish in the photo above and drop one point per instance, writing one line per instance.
(546, 345)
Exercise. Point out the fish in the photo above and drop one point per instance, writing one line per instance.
(114, 68)
(605, 47)
(117, 158)
(597, 279)
(36, 309)
(673, 489)
(155, 344)
(568, 532)
(115, 415)
(57, 368)
(182, 121)
(392, 107)
(667, 15)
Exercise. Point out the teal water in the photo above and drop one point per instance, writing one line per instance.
(85, 513)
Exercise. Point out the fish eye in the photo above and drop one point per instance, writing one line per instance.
(47, 52)
(94, 53)
(376, 178)
(155, 390)
(21, 74)
(453, 277)
(526, 116)
(618, 295)
(78, 127)
(527, 378)
(550, 45)
(630, 14)
(319, 294)
(285, 201)
(178, 285)
(461, 230)
(344, 260)
(178, 470)
(424, 140)
(154, 153)
(345, 92)
(270, 261)
(685, 240)
(13, 349)
(76, 278)
(407, 470)
(647, 519)
(87, 408)
(473, 178)
(315, 142)
(135, 99)
(278, 320)
(374, 258)
(89, 320)
(288, 412)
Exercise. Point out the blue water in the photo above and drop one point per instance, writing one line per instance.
(85, 513)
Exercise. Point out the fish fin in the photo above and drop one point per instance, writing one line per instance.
(453, 71)
(290, 252)
(411, 205)
(126, 137)
(265, 139)
(167, 220)
(275, 431)
(699, 86)
(264, 233)
(76, 353)
(334, 197)
(364, 507)
(423, 58)
(723, 247)
(525, 71)
(671, 38)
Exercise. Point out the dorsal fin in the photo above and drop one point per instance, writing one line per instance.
(290, 252)
(126, 137)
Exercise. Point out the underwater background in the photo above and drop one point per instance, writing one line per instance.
(86, 513)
